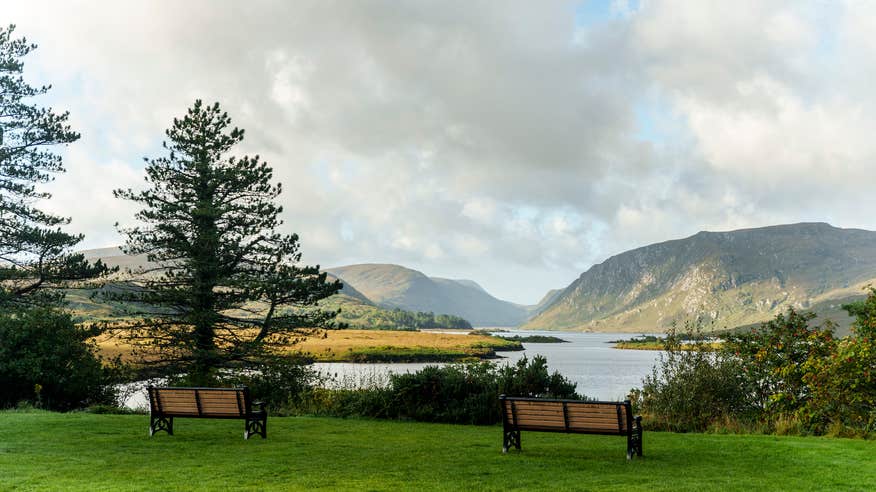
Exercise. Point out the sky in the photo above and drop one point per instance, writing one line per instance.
(512, 143)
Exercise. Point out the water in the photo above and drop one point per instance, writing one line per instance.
(600, 371)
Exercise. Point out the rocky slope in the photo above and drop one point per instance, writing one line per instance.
(394, 286)
(734, 278)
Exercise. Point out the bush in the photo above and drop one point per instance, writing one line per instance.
(47, 361)
(531, 379)
(774, 358)
(843, 384)
(278, 381)
(465, 394)
(458, 393)
(784, 376)
(693, 388)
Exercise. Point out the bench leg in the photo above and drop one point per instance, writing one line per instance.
(256, 426)
(510, 438)
(634, 442)
(160, 423)
(639, 440)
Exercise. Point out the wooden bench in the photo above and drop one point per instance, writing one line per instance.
(570, 416)
(205, 403)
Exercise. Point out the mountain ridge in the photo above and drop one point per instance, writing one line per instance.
(386, 286)
(734, 277)
(396, 286)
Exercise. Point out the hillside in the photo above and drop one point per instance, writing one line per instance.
(394, 286)
(357, 310)
(735, 278)
(545, 302)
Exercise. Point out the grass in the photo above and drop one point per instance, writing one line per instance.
(660, 346)
(398, 346)
(82, 451)
(651, 342)
(379, 346)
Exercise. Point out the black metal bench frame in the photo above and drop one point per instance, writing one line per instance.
(511, 429)
(161, 420)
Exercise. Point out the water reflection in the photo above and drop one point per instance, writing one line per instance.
(599, 370)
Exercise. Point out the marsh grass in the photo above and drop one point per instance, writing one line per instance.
(376, 346)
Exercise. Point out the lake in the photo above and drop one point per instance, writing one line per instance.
(600, 371)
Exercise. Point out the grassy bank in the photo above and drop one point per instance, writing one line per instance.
(633, 345)
(381, 346)
(651, 342)
(660, 346)
(403, 346)
(46, 451)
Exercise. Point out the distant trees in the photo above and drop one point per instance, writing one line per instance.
(398, 319)
(34, 251)
(227, 290)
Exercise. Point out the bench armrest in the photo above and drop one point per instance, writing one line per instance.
(638, 421)
(259, 404)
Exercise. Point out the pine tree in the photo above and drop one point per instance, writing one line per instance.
(34, 251)
(227, 289)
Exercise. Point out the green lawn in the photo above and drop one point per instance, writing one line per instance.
(80, 451)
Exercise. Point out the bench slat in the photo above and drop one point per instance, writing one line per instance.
(572, 424)
(198, 402)
(569, 416)
(559, 415)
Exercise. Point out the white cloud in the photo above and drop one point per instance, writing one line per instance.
(497, 142)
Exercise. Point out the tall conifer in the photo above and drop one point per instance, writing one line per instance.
(227, 288)
(34, 250)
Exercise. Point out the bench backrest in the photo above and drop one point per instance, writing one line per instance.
(567, 415)
(200, 402)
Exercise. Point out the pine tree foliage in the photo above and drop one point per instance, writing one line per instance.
(34, 250)
(228, 289)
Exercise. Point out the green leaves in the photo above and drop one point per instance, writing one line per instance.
(42, 349)
(33, 248)
(229, 290)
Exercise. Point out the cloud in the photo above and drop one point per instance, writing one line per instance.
(503, 143)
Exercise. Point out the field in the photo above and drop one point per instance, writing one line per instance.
(384, 346)
(82, 451)
(380, 345)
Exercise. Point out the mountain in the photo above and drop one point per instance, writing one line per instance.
(734, 278)
(464, 282)
(545, 302)
(394, 286)
(113, 257)
(358, 310)
(350, 292)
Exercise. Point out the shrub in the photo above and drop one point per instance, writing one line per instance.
(47, 361)
(278, 381)
(465, 394)
(843, 384)
(374, 402)
(468, 394)
(693, 388)
(774, 359)
(532, 379)
(775, 377)
(457, 393)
